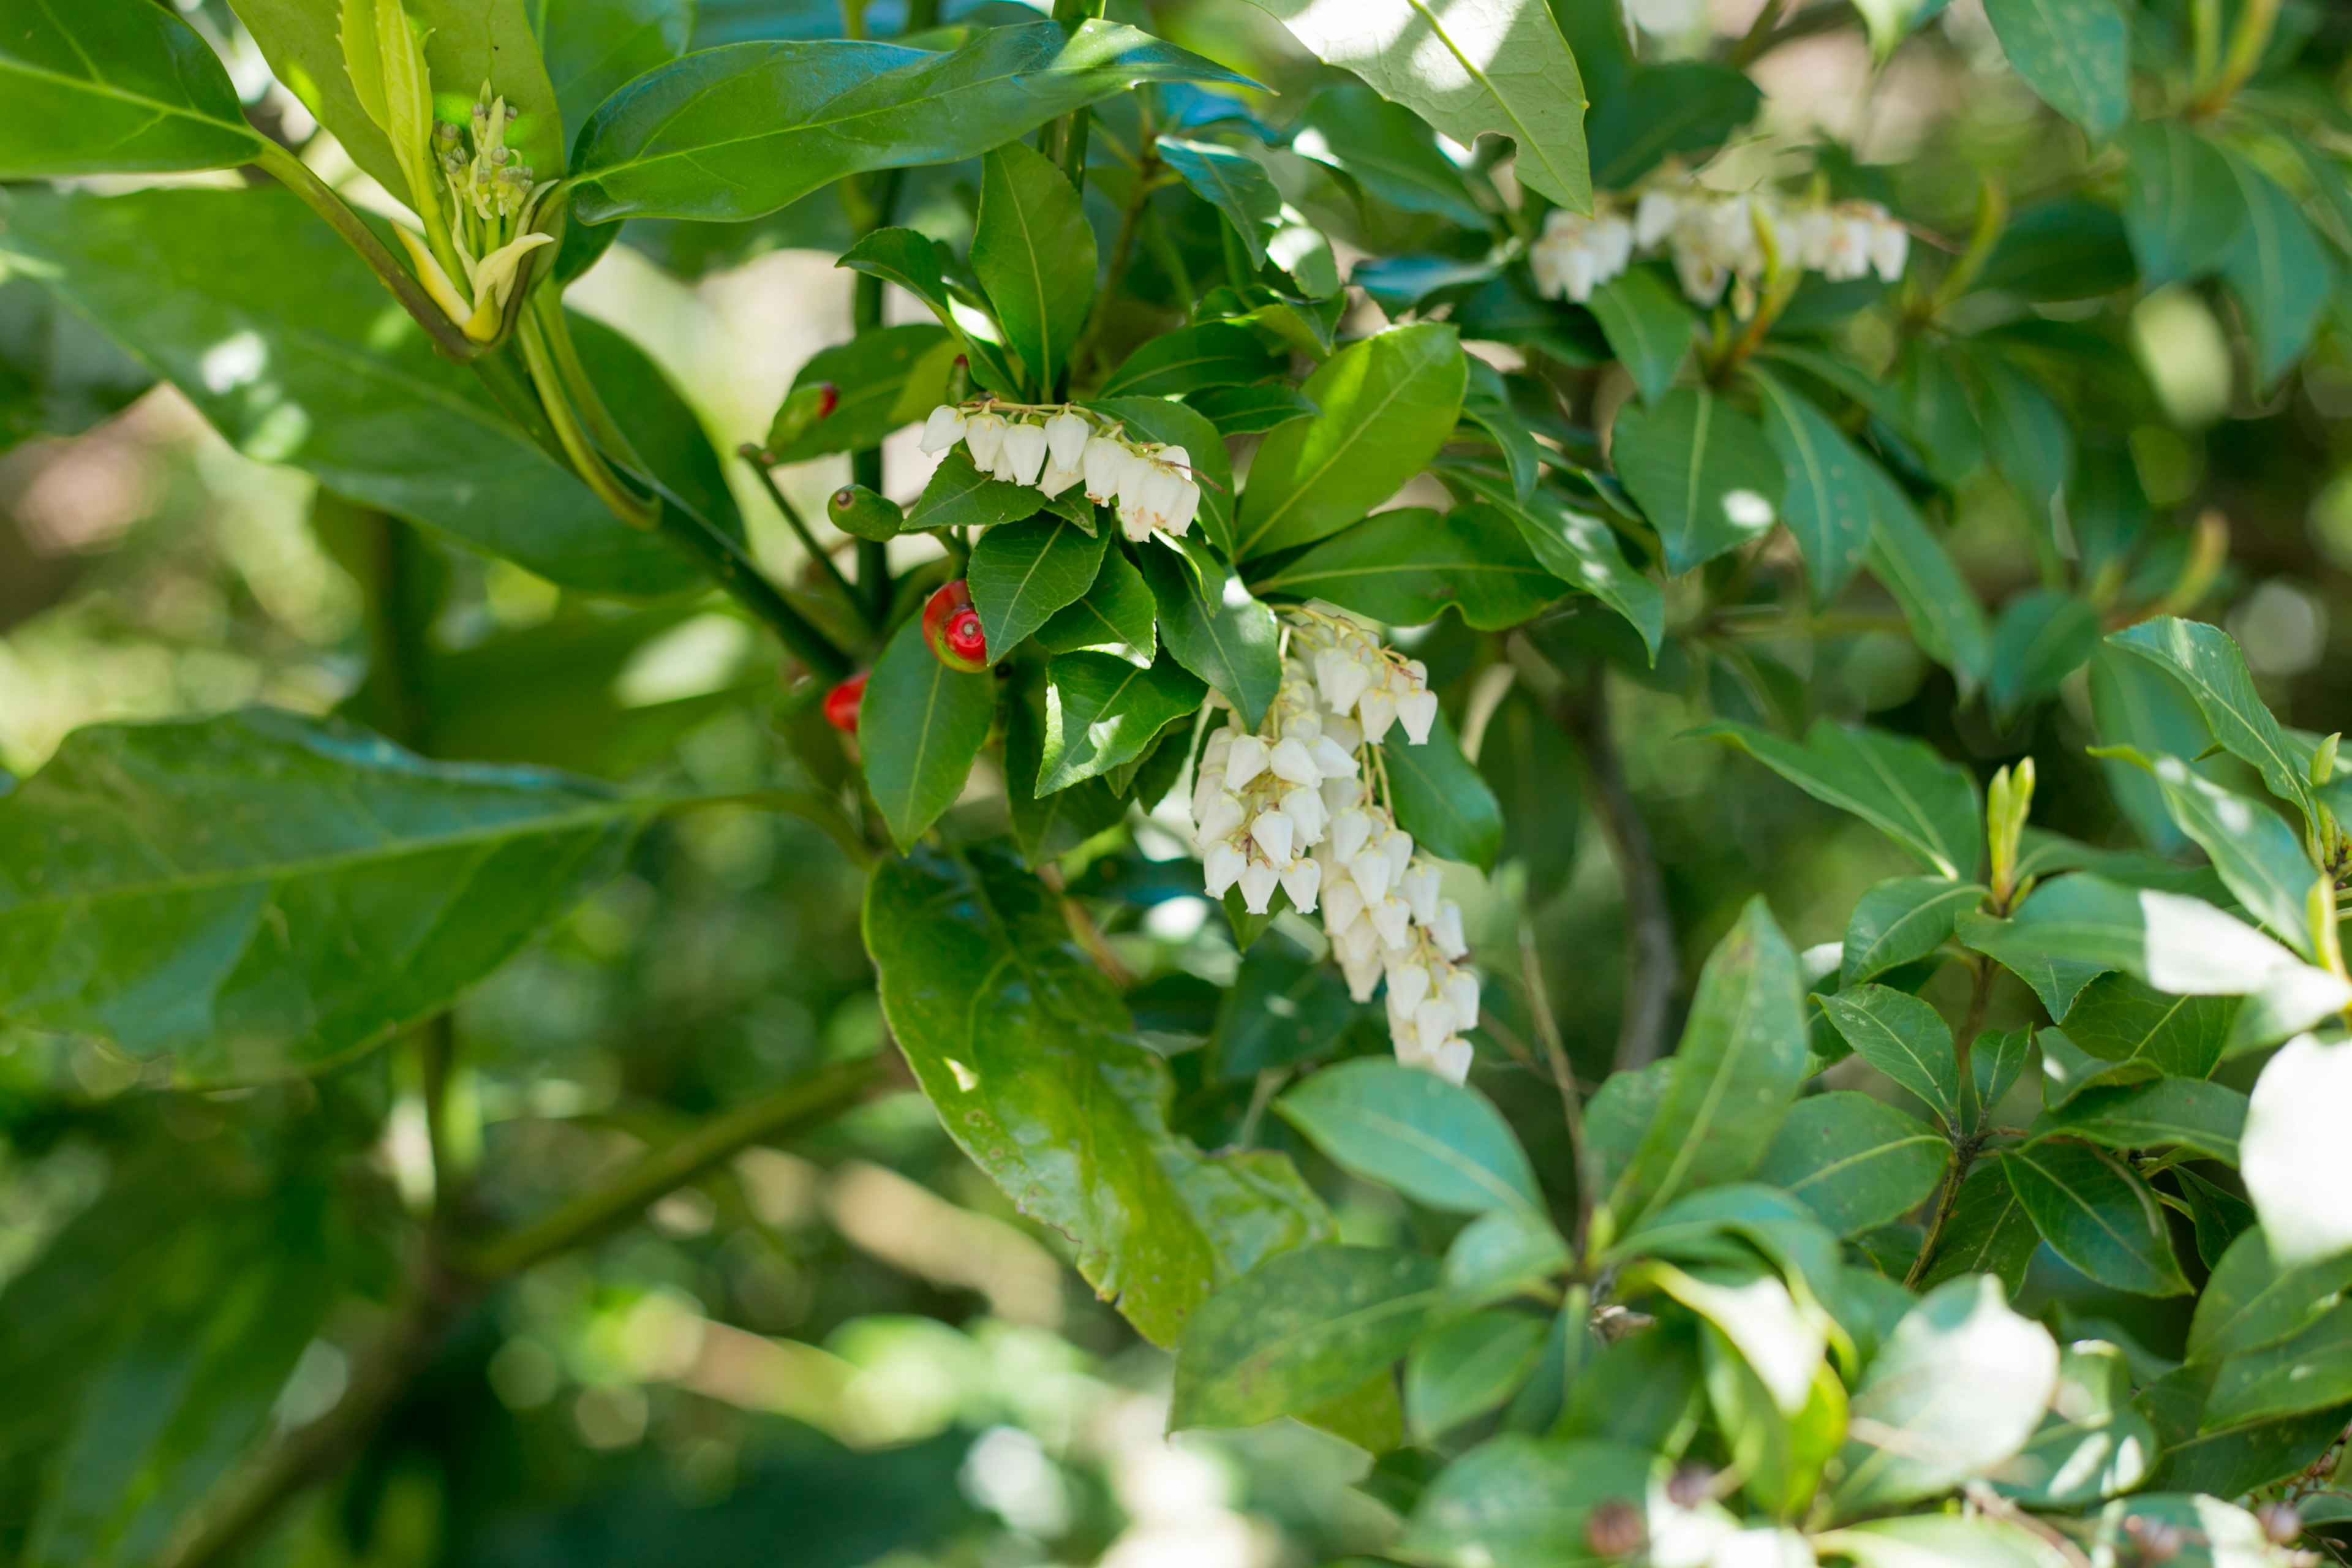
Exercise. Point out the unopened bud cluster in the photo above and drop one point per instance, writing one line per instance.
(1052, 448)
(1291, 805)
(494, 183)
(1714, 237)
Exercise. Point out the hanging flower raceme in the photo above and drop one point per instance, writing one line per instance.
(1576, 255)
(1050, 448)
(1298, 804)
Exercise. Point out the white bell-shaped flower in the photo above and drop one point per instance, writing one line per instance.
(1393, 922)
(1369, 869)
(1056, 478)
(1397, 845)
(983, 438)
(1421, 886)
(1022, 455)
(1304, 809)
(1259, 881)
(1409, 986)
(1417, 711)
(1447, 932)
(1351, 829)
(1890, 249)
(944, 429)
(1067, 434)
(1345, 733)
(1292, 762)
(1245, 761)
(1362, 970)
(1461, 995)
(1225, 815)
(1303, 882)
(1359, 943)
(1343, 906)
(1654, 218)
(1376, 711)
(1342, 794)
(1452, 1059)
(1134, 522)
(1103, 461)
(1272, 831)
(1221, 867)
(1433, 1022)
(1331, 759)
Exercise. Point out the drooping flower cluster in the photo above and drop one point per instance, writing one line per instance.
(1714, 237)
(493, 197)
(1297, 804)
(1052, 448)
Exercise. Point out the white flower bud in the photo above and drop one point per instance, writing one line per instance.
(1302, 882)
(1342, 794)
(1134, 524)
(983, 438)
(1360, 943)
(1304, 809)
(1135, 471)
(1421, 886)
(1369, 869)
(1271, 830)
(1342, 908)
(1102, 461)
(1447, 932)
(1292, 762)
(1351, 830)
(1408, 987)
(1022, 456)
(1461, 995)
(1067, 434)
(1393, 922)
(1451, 1060)
(1397, 845)
(1221, 867)
(1331, 759)
(1417, 711)
(944, 429)
(1245, 761)
(1056, 479)
(1259, 881)
(1363, 971)
(1376, 710)
(1224, 815)
(1432, 1021)
(1890, 247)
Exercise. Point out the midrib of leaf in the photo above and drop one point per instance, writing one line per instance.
(1697, 461)
(2085, 1207)
(1528, 146)
(1445, 1154)
(1036, 280)
(1862, 1156)
(1926, 1071)
(1305, 483)
(1702, 1123)
(98, 87)
(1929, 839)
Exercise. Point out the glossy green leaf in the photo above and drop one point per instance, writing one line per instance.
(1958, 1388)
(593, 46)
(1825, 500)
(2257, 852)
(2055, 978)
(2074, 53)
(2168, 1112)
(1576, 548)
(2117, 1019)
(1504, 1252)
(204, 892)
(1641, 1390)
(1286, 1007)
(1898, 785)
(2182, 207)
(1658, 110)
(2312, 1370)
(1299, 1328)
(1440, 799)
(2295, 1156)
(2027, 434)
(1780, 1454)
(1251, 410)
(1486, 404)
(1852, 1161)
(1469, 68)
(959, 496)
(1386, 149)
(2097, 1214)
(1405, 567)
(2042, 638)
(2250, 1300)
(1229, 642)
(2279, 272)
(1021, 1044)
(1518, 1501)
(911, 260)
(1903, 1038)
(1900, 920)
(1702, 472)
(882, 380)
(918, 729)
(2093, 1444)
(1754, 1312)
(1437, 1142)
(1033, 252)
(1045, 828)
(732, 133)
(1997, 1060)
(1174, 425)
(1939, 1540)
(1990, 1232)
(279, 335)
(1114, 615)
(1190, 359)
(112, 87)
(1388, 404)
(1648, 326)
(1467, 1368)
(2228, 1460)
(1911, 561)
(1234, 183)
(1021, 573)
(2219, 1216)
(2067, 1070)
(1741, 1056)
(1101, 711)
(57, 376)
(2134, 702)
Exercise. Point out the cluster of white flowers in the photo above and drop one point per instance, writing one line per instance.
(1052, 448)
(1291, 806)
(1713, 237)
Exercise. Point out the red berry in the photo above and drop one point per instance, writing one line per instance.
(841, 703)
(952, 628)
(828, 399)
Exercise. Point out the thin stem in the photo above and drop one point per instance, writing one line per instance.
(1966, 1144)
(807, 536)
(1751, 43)
(290, 172)
(1122, 249)
(1654, 969)
(2248, 41)
(512, 393)
(586, 461)
(1571, 1104)
(727, 562)
(866, 464)
(577, 383)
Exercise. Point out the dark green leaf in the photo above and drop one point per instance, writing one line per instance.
(1826, 502)
(2096, 1215)
(2256, 854)
(57, 376)
(1648, 326)
(1437, 1142)
(911, 260)
(1467, 1368)
(1046, 827)
(1021, 1043)
(1639, 1390)
(2056, 978)
(1213, 354)
(1388, 404)
(1251, 410)
(1487, 403)
(2229, 1461)
(1996, 1061)
(1899, 787)
(739, 130)
(1033, 252)
(2250, 1301)
(2167, 1112)
(1286, 1007)
(1902, 920)
(2310, 1371)
(1405, 567)
(663, 431)
(2042, 638)
(1989, 1233)
(959, 496)
(1522, 1502)
(1101, 711)
(1852, 1161)
(883, 379)
(1234, 183)
(1903, 1038)
(2206, 660)
(2220, 1216)
(1912, 562)
(259, 894)
(593, 46)
(1228, 641)
(279, 335)
(1021, 573)
(2117, 1019)
(1297, 1330)
(112, 87)
(1502, 1253)
(1387, 149)
(2281, 276)
(2074, 53)
(1535, 771)
(1687, 107)
(2064, 249)
(1440, 799)
(2182, 207)
(2135, 703)
(1702, 472)
(918, 729)
(1578, 548)
(1116, 614)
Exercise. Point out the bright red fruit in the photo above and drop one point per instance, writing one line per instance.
(952, 628)
(841, 703)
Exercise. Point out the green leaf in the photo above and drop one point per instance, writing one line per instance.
(1021, 573)
(2230, 1461)
(1286, 1007)
(1903, 1038)
(2093, 1444)
(1989, 1233)
(1578, 548)
(1033, 252)
(1191, 359)
(1405, 567)
(2097, 1214)
(1230, 642)
(1741, 1056)
(1996, 1061)
(1386, 149)
(114, 87)
(1826, 501)
(1912, 562)
(911, 260)
(2279, 272)
(883, 380)
(1642, 1390)
(1504, 1252)
(1174, 425)
(2256, 854)
(1437, 1142)
(2167, 1112)
(2074, 53)
(1466, 1368)
(918, 729)
(593, 46)
(2295, 1152)
(1114, 615)
(1533, 768)
(1251, 410)
(1486, 404)
(1648, 326)
(1702, 472)
(1299, 1328)
(1443, 801)
(2219, 1216)
(1234, 183)
(736, 131)
(258, 894)
(2135, 703)
(959, 496)
(1900, 920)
(1939, 1540)
(2117, 1019)
(1957, 1389)
(1757, 1315)
(1387, 403)
(2182, 207)
(2213, 1533)
(1472, 67)
(2206, 660)
(281, 337)
(2069, 249)
(1022, 1044)
(2310, 1371)
(1852, 1161)
(1518, 1501)
(2056, 979)
(58, 376)
(2042, 638)
(1898, 785)
(1045, 828)
(663, 428)
(1684, 107)
(1101, 711)
(2250, 1302)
